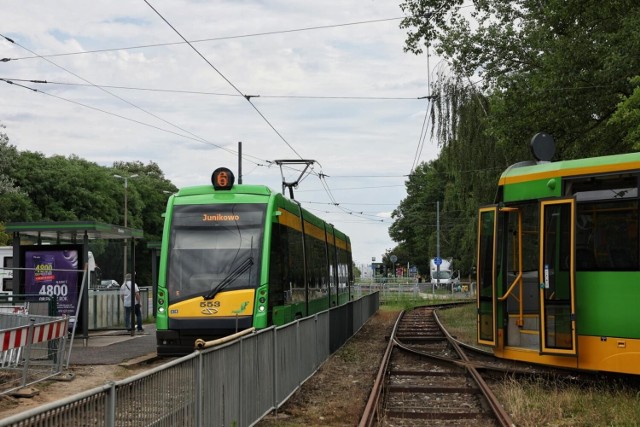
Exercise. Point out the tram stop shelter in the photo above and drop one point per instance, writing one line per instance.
(51, 258)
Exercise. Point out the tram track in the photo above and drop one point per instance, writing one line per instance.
(426, 378)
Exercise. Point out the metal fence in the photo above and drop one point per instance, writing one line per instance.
(235, 384)
(106, 309)
(31, 349)
(411, 291)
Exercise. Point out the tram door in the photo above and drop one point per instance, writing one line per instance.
(486, 275)
(557, 275)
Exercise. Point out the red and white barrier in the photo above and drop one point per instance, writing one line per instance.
(14, 338)
(17, 337)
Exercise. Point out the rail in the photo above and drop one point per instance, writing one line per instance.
(426, 381)
(368, 417)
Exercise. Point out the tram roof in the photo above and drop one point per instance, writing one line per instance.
(590, 166)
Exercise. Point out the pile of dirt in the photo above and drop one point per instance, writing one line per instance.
(75, 380)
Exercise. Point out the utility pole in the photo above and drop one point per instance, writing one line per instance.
(239, 162)
(126, 186)
(438, 242)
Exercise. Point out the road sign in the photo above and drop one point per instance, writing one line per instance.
(393, 258)
(437, 260)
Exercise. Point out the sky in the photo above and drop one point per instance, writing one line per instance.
(315, 80)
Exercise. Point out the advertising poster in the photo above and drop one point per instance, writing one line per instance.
(48, 274)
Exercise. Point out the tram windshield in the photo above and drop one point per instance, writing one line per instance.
(209, 243)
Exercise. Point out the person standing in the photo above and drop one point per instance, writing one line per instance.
(125, 295)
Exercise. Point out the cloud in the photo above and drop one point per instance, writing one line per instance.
(306, 84)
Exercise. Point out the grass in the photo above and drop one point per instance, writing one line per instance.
(540, 402)
(556, 402)
(397, 301)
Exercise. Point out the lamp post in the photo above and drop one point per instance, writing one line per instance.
(126, 186)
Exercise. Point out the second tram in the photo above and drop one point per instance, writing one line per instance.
(558, 264)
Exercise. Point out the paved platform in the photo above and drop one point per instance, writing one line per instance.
(113, 347)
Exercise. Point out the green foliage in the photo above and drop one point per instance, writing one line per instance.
(627, 116)
(567, 68)
(558, 67)
(34, 187)
(461, 179)
(356, 272)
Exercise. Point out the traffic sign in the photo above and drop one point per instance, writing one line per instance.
(437, 260)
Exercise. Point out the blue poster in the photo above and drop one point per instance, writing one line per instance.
(53, 272)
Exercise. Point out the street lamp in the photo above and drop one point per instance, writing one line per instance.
(126, 185)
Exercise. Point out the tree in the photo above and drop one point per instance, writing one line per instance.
(415, 218)
(627, 116)
(34, 187)
(14, 203)
(518, 67)
(558, 67)
(147, 200)
(8, 154)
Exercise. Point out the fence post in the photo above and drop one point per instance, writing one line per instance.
(275, 370)
(110, 410)
(199, 392)
(299, 352)
(316, 362)
(243, 402)
(62, 342)
(27, 351)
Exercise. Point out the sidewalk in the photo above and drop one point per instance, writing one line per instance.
(113, 347)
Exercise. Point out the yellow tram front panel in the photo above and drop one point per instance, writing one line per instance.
(225, 304)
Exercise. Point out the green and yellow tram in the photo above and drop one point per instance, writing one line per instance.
(241, 256)
(558, 278)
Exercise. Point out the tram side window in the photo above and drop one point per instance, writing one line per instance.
(286, 278)
(317, 275)
(607, 220)
(530, 240)
(333, 274)
(343, 269)
(277, 273)
(295, 268)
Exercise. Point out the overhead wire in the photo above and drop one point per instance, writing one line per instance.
(125, 118)
(354, 188)
(194, 92)
(247, 97)
(193, 136)
(321, 176)
(266, 33)
(422, 137)
(423, 131)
